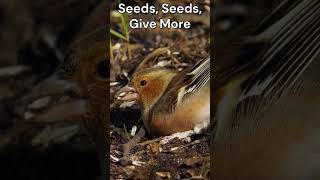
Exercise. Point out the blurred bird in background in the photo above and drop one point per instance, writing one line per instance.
(266, 97)
(79, 87)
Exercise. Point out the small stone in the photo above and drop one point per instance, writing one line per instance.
(164, 174)
(40, 103)
(28, 115)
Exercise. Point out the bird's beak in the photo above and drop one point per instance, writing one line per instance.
(127, 93)
(52, 100)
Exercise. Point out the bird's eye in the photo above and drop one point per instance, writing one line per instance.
(143, 83)
(102, 69)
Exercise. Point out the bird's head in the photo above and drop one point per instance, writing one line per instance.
(147, 86)
(79, 83)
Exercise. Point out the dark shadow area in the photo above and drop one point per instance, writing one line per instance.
(40, 40)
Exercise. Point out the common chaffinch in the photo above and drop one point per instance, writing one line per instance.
(268, 98)
(172, 101)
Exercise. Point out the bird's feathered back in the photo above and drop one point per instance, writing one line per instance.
(186, 84)
(199, 76)
(267, 122)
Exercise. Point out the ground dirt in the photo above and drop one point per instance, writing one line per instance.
(151, 158)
